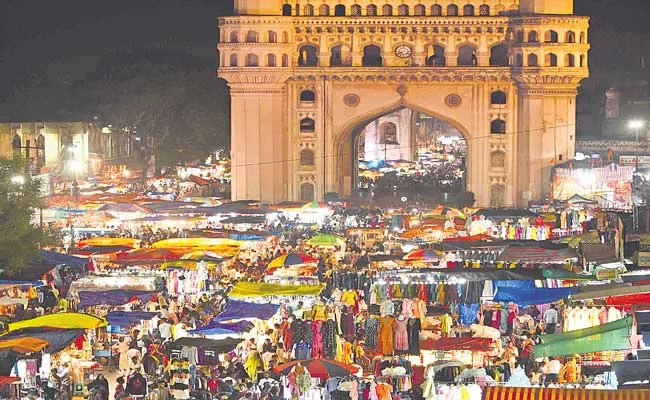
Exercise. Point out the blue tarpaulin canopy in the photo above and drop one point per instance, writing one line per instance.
(53, 258)
(527, 296)
(244, 310)
(115, 297)
(220, 328)
(58, 339)
(124, 319)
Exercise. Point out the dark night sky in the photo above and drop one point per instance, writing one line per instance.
(45, 40)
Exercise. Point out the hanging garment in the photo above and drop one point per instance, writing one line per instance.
(401, 341)
(330, 334)
(386, 335)
(372, 332)
(317, 344)
(414, 327)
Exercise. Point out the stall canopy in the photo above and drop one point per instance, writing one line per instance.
(459, 343)
(115, 297)
(537, 255)
(53, 258)
(525, 297)
(628, 299)
(61, 321)
(494, 274)
(326, 240)
(611, 336)
(243, 310)
(559, 273)
(23, 345)
(220, 346)
(220, 328)
(528, 393)
(631, 371)
(57, 339)
(260, 289)
(603, 291)
(124, 319)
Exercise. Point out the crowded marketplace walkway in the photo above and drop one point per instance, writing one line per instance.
(163, 296)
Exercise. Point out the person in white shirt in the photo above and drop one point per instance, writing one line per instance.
(165, 330)
(550, 319)
(554, 368)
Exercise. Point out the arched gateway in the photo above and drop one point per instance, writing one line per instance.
(345, 63)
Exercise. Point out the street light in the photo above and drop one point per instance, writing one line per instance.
(637, 125)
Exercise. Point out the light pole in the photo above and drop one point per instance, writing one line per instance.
(637, 125)
(75, 167)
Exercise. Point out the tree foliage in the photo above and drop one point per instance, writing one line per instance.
(19, 200)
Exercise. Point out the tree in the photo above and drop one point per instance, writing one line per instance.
(20, 239)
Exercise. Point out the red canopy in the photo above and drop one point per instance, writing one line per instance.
(6, 380)
(462, 343)
(628, 299)
(474, 238)
(147, 256)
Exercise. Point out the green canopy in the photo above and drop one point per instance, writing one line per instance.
(559, 273)
(611, 336)
(323, 239)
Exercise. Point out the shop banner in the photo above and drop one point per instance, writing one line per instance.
(611, 185)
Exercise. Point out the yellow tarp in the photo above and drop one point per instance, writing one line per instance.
(110, 242)
(23, 344)
(187, 264)
(195, 242)
(61, 321)
(260, 289)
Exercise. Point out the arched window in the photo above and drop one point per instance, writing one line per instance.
(297, 9)
(308, 96)
(498, 97)
(234, 37)
(252, 37)
(324, 10)
(372, 56)
(437, 59)
(420, 10)
(550, 37)
(550, 60)
(252, 60)
(355, 10)
(233, 60)
(452, 10)
(273, 37)
(339, 10)
(498, 127)
(532, 60)
(16, 147)
(497, 195)
(499, 55)
(285, 60)
(532, 37)
(468, 10)
(40, 151)
(484, 10)
(336, 56)
(467, 56)
(308, 56)
(570, 37)
(285, 37)
(389, 133)
(307, 158)
(582, 60)
(306, 191)
(498, 159)
(570, 60)
(387, 10)
(371, 10)
(519, 60)
(519, 36)
(403, 10)
(436, 10)
(270, 60)
(308, 10)
(286, 10)
(307, 125)
(582, 37)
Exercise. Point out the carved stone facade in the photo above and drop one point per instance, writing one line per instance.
(312, 73)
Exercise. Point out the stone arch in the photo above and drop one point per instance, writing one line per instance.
(16, 147)
(339, 10)
(387, 10)
(372, 56)
(234, 60)
(467, 55)
(371, 10)
(436, 58)
(550, 60)
(307, 158)
(403, 10)
(452, 10)
(570, 37)
(583, 60)
(498, 97)
(355, 10)
(40, 151)
(307, 191)
(436, 10)
(307, 96)
(551, 36)
(532, 60)
(346, 140)
(234, 37)
(484, 10)
(499, 55)
(340, 55)
(533, 37)
(519, 36)
(271, 60)
(388, 133)
(307, 125)
(272, 36)
(286, 10)
(324, 10)
(252, 37)
(498, 127)
(308, 55)
(308, 10)
(285, 37)
(252, 60)
(519, 60)
(468, 10)
(420, 10)
(569, 60)
(583, 37)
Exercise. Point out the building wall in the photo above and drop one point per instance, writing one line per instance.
(269, 59)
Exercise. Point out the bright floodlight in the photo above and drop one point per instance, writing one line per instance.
(636, 124)
(18, 180)
(76, 165)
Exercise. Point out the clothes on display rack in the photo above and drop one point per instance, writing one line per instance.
(586, 317)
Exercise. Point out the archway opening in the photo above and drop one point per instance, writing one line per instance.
(409, 153)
